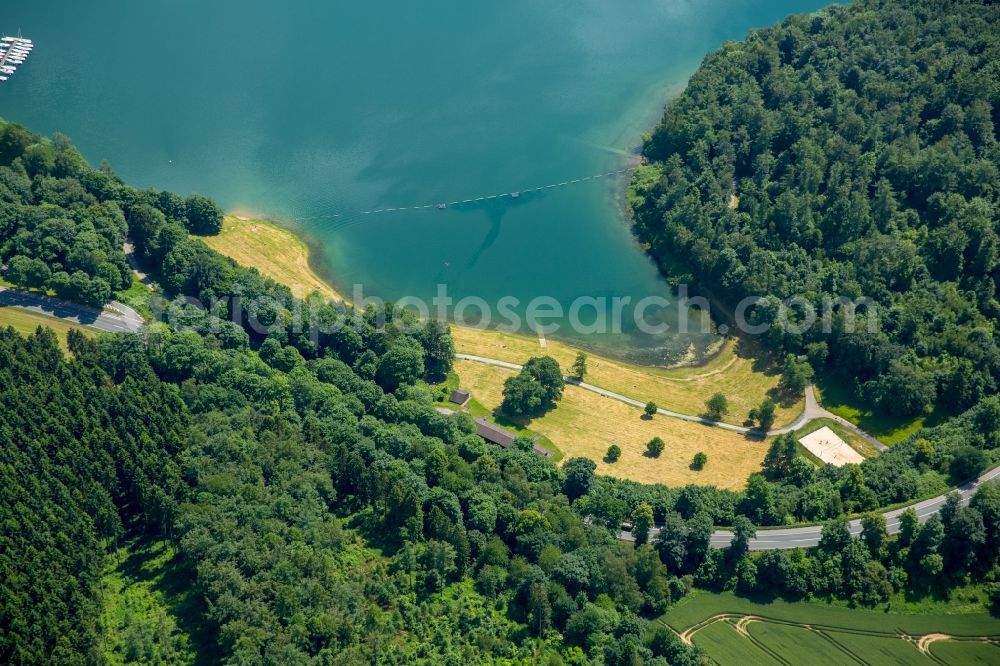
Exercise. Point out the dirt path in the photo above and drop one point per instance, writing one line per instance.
(740, 623)
(129, 250)
(687, 634)
(924, 643)
(704, 375)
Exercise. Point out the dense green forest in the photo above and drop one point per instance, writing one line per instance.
(81, 458)
(848, 153)
(320, 519)
(324, 512)
(59, 228)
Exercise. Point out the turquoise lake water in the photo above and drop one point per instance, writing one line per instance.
(305, 110)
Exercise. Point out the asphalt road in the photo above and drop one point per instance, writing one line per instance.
(122, 319)
(126, 320)
(808, 536)
(784, 538)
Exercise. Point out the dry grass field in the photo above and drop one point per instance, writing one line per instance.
(741, 379)
(25, 323)
(275, 252)
(280, 254)
(586, 424)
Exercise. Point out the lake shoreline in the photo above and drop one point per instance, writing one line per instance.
(631, 144)
(275, 250)
(310, 252)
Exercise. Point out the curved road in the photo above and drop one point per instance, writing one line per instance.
(807, 537)
(120, 319)
(813, 410)
(124, 319)
(781, 538)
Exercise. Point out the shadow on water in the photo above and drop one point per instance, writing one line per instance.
(495, 210)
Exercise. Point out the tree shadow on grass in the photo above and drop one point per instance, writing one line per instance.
(763, 360)
(936, 593)
(504, 419)
(523, 421)
(837, 397)
(373, 531)
(176, 583)
(440, 378)
(783, 397)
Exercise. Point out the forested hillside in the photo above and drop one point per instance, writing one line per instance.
(325, 512)
(61, 228)
(54, 233)
(850, 153)
(81, 460)
(319, 517)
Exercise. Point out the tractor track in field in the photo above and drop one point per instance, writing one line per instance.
(740, 621)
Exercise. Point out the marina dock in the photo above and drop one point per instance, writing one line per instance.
(13, 52)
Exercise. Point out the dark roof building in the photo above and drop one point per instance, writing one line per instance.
(459, 397)
(494, 434)
(545, 453)
(504, 438)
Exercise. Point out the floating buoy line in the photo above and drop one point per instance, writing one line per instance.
(343, 220)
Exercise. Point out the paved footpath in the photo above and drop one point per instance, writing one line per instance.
(812, 410)
(782, 538)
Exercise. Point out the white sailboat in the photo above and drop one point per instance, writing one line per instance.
(13, 51)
